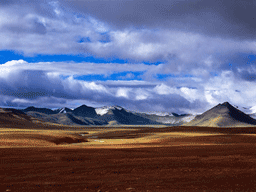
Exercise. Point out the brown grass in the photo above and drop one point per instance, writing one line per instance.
(121, 137)
(128, 159)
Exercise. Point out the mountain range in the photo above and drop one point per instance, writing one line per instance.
(107, 115)
(222, 115)
(85, 115)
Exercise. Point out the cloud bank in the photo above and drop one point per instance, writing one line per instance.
(25, 84)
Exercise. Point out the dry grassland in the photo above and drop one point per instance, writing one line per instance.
(128, 159)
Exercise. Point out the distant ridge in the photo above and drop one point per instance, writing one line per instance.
(10, 117)
(82, 115)
(40, 110)
(85, 115)
(222, 115)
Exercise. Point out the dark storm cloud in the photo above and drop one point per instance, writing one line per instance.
(246, 74)
(35, 27)
(231, 18)
(31, 85)
(39, 6)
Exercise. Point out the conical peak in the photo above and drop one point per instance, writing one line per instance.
(223, 115)
(83, 107)
(226, 104)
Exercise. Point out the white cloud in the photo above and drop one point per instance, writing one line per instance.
(142, 94)
(227, 87)
(190, 94)
(163, 89)
(123, 92)
(71, 68)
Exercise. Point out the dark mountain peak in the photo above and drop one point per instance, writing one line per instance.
(226, 104)
(41, 110)
(85, 111)
(82, 107)
(223, 105)
(222, 108)
(29, 108)
(125, 117)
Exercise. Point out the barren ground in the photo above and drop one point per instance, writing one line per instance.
(128, 159)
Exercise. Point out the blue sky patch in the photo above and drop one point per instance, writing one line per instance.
(163, 77)
(8, 55)
(128, 75)
(84, 40)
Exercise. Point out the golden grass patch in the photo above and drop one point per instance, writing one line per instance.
(29, 137)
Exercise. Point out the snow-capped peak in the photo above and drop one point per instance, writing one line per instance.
(159, 113)
(63, 110)
(253, 109)
(117, 107)
(101, 111)
(104, 110)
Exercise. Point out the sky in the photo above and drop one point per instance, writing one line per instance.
(182, 56)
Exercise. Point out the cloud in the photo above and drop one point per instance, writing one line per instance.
(230, 18)
(37, 29)
(229, 87)
(203, 48)
(26, 84)
(53, 28)
(74, 69)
